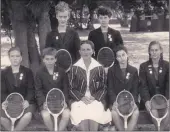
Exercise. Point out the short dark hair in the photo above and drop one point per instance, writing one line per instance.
(49, 51)
(102, 10)
(120, 47)
(87, 42)
(16, 48)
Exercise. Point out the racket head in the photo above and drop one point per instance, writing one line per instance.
(106, 57)
(55, 101)
(15, 107)
(159, 106)
(64, 59)
(125, 103)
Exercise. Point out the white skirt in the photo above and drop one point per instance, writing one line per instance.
(94, 111)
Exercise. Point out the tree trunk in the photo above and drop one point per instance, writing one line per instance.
(20, 29)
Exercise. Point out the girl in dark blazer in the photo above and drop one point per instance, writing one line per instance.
(87, 91)
(154, 77)
(64, 37)
(104, 36)
(122, 76)
(47, 77)
(17, 78)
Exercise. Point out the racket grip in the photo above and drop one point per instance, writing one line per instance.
(125, 123)
(55, 123)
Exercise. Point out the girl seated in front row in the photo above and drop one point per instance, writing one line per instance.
(47, 77)
(122, 76)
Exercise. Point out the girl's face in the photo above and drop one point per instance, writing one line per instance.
(104, 20)
(15, 58)
(49, 60)
(62, 17)
(121, 57)
(86, 51)
(155, 51)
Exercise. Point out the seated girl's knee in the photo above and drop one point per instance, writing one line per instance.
(27, 116)
(45, 114)
(136, 112)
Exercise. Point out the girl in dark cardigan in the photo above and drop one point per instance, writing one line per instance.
(17, 78)
(47, 77)
(122, 76)
(154, 77)
(64, 37)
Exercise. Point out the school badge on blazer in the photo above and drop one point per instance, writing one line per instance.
(110, 37)
(56, 37)
(55, 75)
(21, 76)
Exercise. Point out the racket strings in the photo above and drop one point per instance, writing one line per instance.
(125, 103)
(159, 106)
(106, 57)
(63, 59)
(14, 106)
(55, 102)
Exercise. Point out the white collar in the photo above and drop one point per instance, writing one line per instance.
(93, 64)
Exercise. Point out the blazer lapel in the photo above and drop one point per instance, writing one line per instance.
(161, 70)
(67, 37)
(21, 76)
(118, 73)
(128, 74)
(10, 77)
(110, 38)
(151, 74)
(58, 39)
(101, 37)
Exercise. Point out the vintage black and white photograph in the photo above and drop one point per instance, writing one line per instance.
(85, 65)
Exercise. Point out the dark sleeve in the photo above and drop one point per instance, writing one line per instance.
(110, 88)
(48, 42)
(77, 46)
(31, 90)
(135, 87)
(119, 40)
(73, 82)
(65, 85)
(4, 90)
(101, 92)
(39, 89)
(167, 83)
(90, 36)
(144, 91)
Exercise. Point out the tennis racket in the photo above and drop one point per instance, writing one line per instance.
(106, 57)
(125, 105)
(159, 108)
(64, 59)
(55, 101)
(15, 107)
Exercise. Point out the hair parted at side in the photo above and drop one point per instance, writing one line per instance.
(103, 10)
(87, 42)
(49, 51)
(155, 43)
(16, 48)
(61, 7)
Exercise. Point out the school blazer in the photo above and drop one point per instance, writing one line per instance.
(116, 82)
(78, 81)
(25, 85)
(71, 42)
(44, 82)
(114, 38)
(148, 82)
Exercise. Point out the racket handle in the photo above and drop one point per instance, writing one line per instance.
(55, 123)
(12, 124)
(125, 123)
